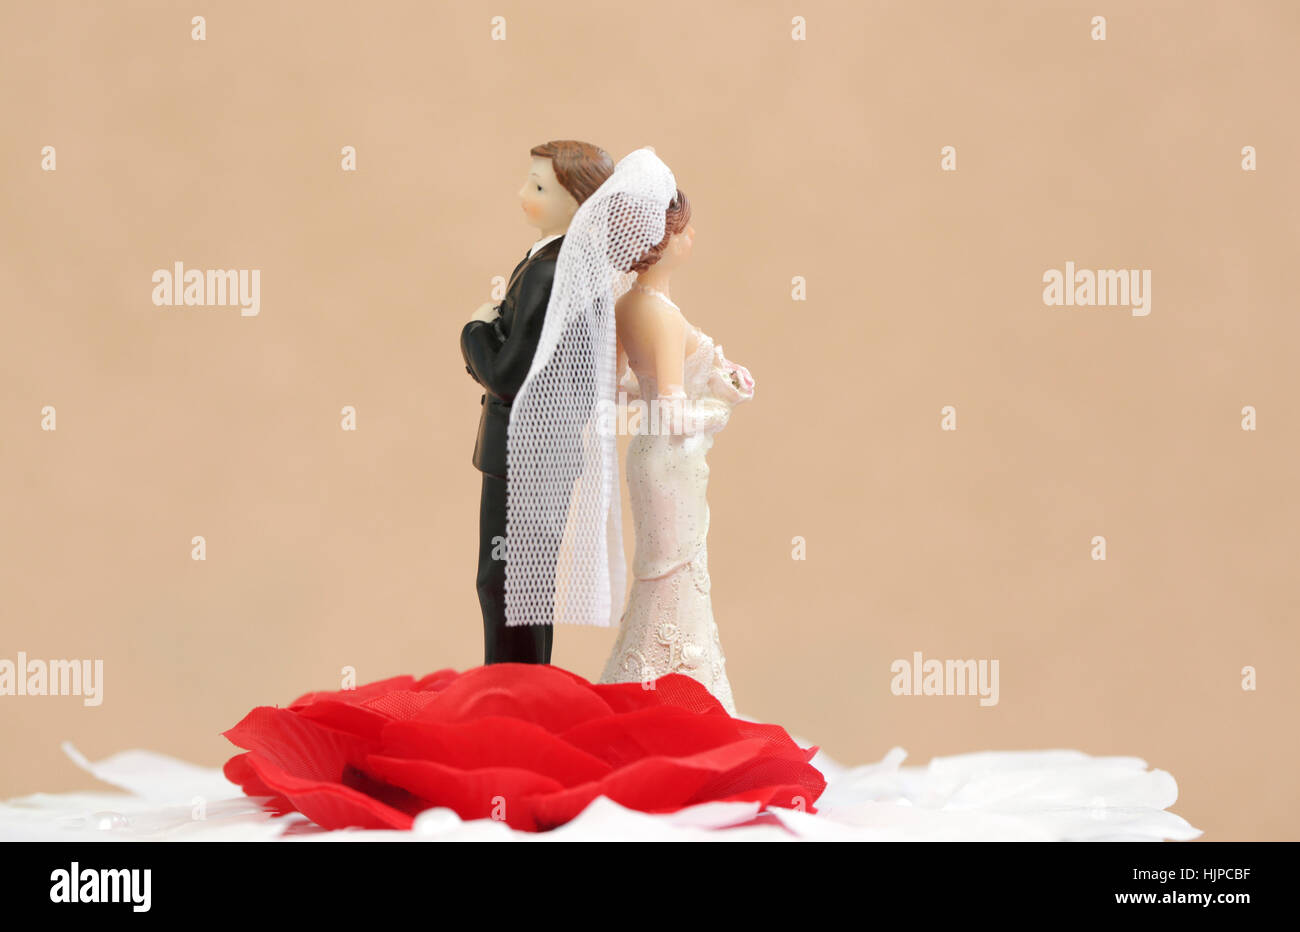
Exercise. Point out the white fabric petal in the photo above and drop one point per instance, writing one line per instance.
(986, 796)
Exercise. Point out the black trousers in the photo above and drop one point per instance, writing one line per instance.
(521, 644)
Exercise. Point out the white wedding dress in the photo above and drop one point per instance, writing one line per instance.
(667, 626)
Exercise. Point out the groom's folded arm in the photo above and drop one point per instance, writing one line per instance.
(464, 345)
(500, 365)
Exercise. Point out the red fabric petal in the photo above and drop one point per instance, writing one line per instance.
(493, 742)
(347, 717)
(543, 695)
(402, 705)
(358, 695)
(368, 717)
(439, 679)
(335, 806)
(656, 784)
(533, 743)
(299, 746)
(238, 771)
(655, 730)
(769, 769)
(675, 689)
(473, 794)
(786, 796)
(434, 681)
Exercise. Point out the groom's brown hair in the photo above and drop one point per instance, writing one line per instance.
(579, 166)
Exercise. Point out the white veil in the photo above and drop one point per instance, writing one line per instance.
(564, 539)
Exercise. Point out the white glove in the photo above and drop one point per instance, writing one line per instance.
(679, 415)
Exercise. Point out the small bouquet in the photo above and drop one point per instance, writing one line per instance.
(730, 382)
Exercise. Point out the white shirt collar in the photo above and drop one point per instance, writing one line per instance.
(542, 242)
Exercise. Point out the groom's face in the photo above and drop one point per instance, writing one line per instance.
(546, 203)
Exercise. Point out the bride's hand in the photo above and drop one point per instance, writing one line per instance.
(708, 416)
(729, 381)
(682, 416)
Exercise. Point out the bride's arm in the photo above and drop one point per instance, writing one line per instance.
(628, 386)
(657, 338)
(687, 416)
(665, 335)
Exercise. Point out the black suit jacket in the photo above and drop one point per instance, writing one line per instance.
(499, 354)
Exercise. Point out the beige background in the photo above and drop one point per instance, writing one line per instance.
(818, 159)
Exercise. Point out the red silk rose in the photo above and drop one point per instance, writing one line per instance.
(527, 743)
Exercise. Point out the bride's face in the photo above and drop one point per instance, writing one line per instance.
(679, 245)
(545, 202)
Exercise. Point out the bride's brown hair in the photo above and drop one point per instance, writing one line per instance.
(676, 219)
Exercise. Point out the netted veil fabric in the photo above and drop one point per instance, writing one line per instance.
(564, 540)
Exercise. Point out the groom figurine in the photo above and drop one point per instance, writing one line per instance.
(498, 345)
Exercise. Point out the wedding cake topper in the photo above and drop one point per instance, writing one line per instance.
(607, 324)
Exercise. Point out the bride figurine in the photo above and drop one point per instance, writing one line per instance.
(686, 388)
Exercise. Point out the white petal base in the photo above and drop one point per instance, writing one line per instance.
(986, 796)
